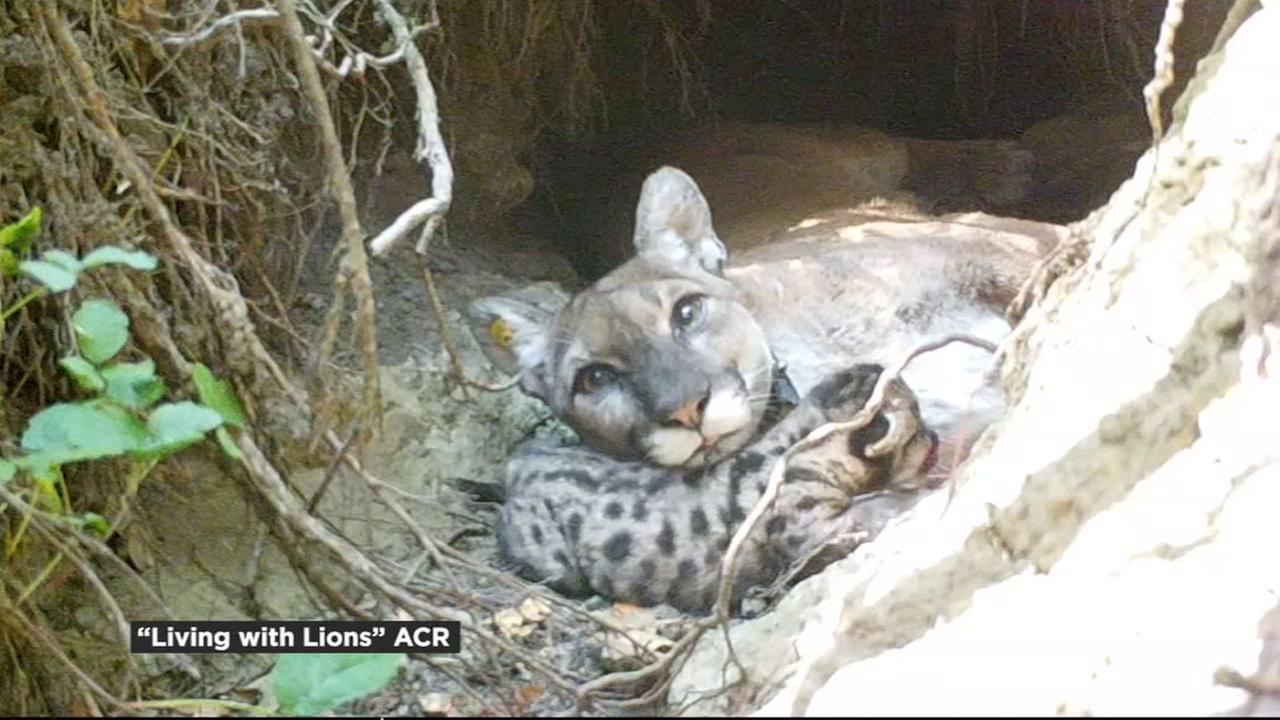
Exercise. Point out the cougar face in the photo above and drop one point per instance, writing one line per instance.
(665, 365)
(659, 360)
(669, 358)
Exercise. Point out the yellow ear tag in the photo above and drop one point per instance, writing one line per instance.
(502, 333)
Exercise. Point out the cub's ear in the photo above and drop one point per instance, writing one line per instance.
(673, 222)
(514, 331)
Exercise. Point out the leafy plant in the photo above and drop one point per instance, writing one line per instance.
(57, 270)
(123, 415)
(313, 684)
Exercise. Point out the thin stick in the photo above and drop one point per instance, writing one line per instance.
(122, 624)
(361, 568)
(198, 704)
(720, 616)
(446, 336)
(778, 472)
(38, 635)
(233, 19)
(431, 145)
(355, 261)
(332, 470)
(1162, 78)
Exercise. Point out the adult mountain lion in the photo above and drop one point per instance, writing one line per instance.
(673, 357)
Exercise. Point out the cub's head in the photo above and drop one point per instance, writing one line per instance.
(659, 360)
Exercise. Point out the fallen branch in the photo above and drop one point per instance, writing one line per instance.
(362, 569)
(664, 666)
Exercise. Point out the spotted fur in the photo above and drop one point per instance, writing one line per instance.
(584, 522)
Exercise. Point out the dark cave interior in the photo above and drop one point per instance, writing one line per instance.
(942, 69)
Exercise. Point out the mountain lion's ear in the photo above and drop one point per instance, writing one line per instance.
(673, 222)
(514, 331)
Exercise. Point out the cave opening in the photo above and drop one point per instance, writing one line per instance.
(1063, 79)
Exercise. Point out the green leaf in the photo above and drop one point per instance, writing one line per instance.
(63, 259)
(7, 471)
(39, 465)
(95, 522)
(110, 254)
(69, 432)
(85, 375)
(133, 385)
(227, 444)
(218, 395)
(101, 329)
(20, 236)
(8, 262)
(56, 278)
(175, 426)
(314, 684)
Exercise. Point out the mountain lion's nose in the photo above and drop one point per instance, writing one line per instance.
(690, 414)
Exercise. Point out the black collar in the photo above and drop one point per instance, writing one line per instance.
(782, 397)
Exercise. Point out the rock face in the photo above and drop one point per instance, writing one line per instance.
(1110, 548)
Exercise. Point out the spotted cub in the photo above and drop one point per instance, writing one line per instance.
(584, 522)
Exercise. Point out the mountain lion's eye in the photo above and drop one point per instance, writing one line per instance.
(688, 310)
(593, 377)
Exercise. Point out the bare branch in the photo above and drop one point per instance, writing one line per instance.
(431, 145)
(355, 263)
(1162, 78)
(235, 19)
(354, 63)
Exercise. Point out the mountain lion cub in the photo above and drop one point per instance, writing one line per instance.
(674, 356)
(583, 522)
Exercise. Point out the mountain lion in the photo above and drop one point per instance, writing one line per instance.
(673, 358)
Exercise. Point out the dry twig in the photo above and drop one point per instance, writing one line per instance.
(779, 470)
(1162, 78)
(355, 264)
(235, 19)
(361, 568)
(460, 375)
(429, 212)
